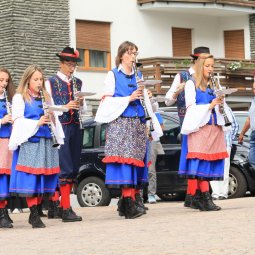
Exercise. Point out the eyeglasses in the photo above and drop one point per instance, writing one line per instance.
(70, 64)
(129, 52)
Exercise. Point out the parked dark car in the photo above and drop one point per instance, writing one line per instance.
(91, 190)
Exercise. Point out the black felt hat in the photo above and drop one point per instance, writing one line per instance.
(69, 54)
(200, 50)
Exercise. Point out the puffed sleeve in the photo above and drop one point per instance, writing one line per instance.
(110, 108)
(23, 128)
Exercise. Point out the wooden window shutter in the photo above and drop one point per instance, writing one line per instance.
(93, 35)
(181, 41)
(234, 44)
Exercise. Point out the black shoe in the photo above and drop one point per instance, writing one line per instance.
(139, 203)
(4, 221)
(187, 201)
(197, 201)
(40, 211)
(34, 218)
(7, 215)
(70, 216)
(132, 211)
(54, 210)
(121, 207)
(222, 198)
(208, 203)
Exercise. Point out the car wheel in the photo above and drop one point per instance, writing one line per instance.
(237, 183)
(172, 196)
(92, 192)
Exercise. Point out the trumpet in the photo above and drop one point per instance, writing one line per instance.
(46, 112)
(75, 90)
(8, 104)
(147, 117)
(221, 106)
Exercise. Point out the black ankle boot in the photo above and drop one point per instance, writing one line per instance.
(132, 211)
(40, 211)
(197, 201)
(7, 215)
(70, 216)
(208, 203)
(4, 221)
(187, 201)
(53, 210)
(34, 218)
(140, 204)
(121, 207)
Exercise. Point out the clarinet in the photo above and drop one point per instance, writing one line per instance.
(75, 90)
(221, 106)
(8, 104)
(147, 117)
(46, 112)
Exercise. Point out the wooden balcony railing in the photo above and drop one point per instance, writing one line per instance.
(241, 3)
(165, 69)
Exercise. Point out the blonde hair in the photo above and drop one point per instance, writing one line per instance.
(123, 48)
(199, 75)
(24, 83)
(10, 89)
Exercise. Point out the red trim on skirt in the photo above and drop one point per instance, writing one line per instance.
(37, 171)
(206, 156)
(5, 171)
(121, 160)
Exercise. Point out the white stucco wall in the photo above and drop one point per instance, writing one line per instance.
(151, 31)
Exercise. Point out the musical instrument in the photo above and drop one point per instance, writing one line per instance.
(139, 83)
(83, 94)
(219, 93)
(46, 112)
(8, 104)
(76, 98)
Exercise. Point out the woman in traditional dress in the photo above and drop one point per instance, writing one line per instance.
(7, 91)
(125, 147)
(204, 148)
(35, 165)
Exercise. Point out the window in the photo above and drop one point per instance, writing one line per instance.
(171, 132)
(181, 42)
(88, 138)
(103, 134)
(93, 44)
(234, 44)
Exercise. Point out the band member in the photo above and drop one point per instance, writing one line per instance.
(61, 87)
(203, 121)
(7, 90)
(176, 94)
(35, 165)
(126, 133)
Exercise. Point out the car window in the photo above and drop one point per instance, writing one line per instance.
(88, 137)
(102, 134)
(241, 120)
(171, 131)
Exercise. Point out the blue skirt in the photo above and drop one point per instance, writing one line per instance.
(124, 175)
(199, 169)
(4, 186)
(30, 185)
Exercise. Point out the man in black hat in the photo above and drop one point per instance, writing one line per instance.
(61, 87)
(176, 94)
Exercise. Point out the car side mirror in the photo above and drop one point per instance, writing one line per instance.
(179, 138)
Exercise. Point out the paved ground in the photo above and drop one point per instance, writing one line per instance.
(168, 228)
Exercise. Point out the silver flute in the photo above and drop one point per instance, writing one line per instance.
(47, 113)
(75, 90)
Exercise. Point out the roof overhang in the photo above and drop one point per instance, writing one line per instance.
(211, 9)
